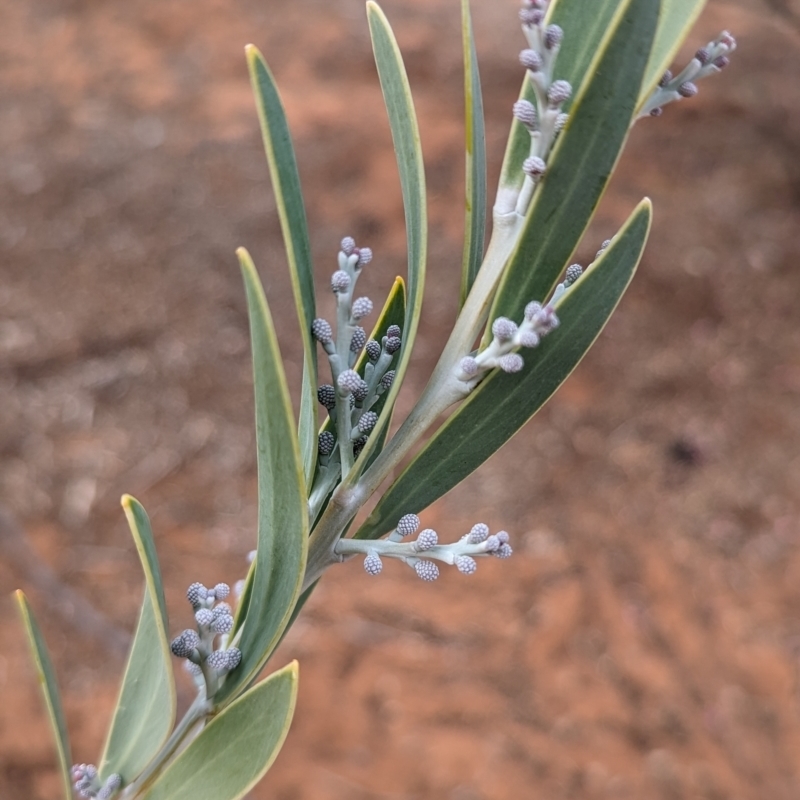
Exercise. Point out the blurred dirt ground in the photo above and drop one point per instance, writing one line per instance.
(644, 642)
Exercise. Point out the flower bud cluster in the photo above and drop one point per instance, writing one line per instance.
(507, 336)
(350, 397)
(424, 551)
(213, 617)
(707, 61)
(86, 782)
(542, 116)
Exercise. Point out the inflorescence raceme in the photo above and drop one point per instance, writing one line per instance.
(543, 117)
(214, 618)
(86, 782)
(422, 553)
(349, 398)
(707, 60)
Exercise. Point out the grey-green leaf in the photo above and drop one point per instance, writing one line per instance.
(52, 698)
(282, 508)
(232, 753)
(145, 709)
(502, 404)
(405, 135)
(292, 214)
(676, 20)
(475, 135)
(582, 161)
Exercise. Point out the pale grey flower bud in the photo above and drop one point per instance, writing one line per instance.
(179, 647)
(340, 281)
(196, 593)
(504, 329)
(358, 341)
(222, 623)
(348, 245)
(426, 540)
(513, 362)
(393, 344)
(407, 524)
(665, 79)
(558, 92)
(204, 617)
(321, 330)
(534, 167)
(373, 564)
(469, 366)
(234, 655)
(656, 112)
(426, 570)
(349, 380)
(553, 36)
(478, 533)
(574, 271)
(364, 256)
(492, 543)
(362, 307)
(561, 121)
(367, 422)
(191, 638)
(466, 565)
(687, 89)
(326, 443)
(531, 60)
(373, 349)
(525, 112)
(721, 62)
(195, 670)
(503, 537)
(358, 445)
(394, 331)
(361, 391)
(530, 16)
(221, 591)
(218, 660)
(387, 380)
(702, 55)
(504, 551)
(528, 339)
(326, 395)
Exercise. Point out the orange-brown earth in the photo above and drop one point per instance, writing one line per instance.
(644, 642)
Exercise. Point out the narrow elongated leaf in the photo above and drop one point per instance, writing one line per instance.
(500, 405)
(145, 710)
(676, 20)
(52, 698)
(232, 753)
(282, 509)
(292, 213)
(475, 135)
(405, 135)
(581, 162)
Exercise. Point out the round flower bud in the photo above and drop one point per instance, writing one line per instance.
(179, 647)
(193, 669)
(358, 445)
(326, 395)
(362, 307)
(387, 380)
(321, 330)
(426, 570)
(558, 92)
(221, 608)
(367, 422)
(552, 36)
(531, 60)
(492, 543)
(530, 16)
(348, 245)
(373, 349)
(726, 39)
(532, 310)
(534, 167)
(503, 537)
(687, 89)
(348, 381)
(218, 660)
(222, 623)
(326, 443)
(466, 565)
(358, 341)
(561, 121)
(393, 344)
(221, 591)
(574, 271)
(204, 617)
(364, 256)
(469, 366)
(513, 362)
(373, 564)
(426, 540)
(504, 551)
(605, 244)
(340, 281)
(656, 112)
(702, 55)
(394, 331)
(525, 113)
(90, 771)
(196, 593)
(234, 657)
(478, 533)
(407, 524)
(504, 329)
(665, 79)
(721, 62)
(528, 339)
(361, 391)
(111, 787)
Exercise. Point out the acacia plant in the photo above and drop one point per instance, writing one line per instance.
(590, 69)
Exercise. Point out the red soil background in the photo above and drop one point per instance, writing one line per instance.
(644, 642)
